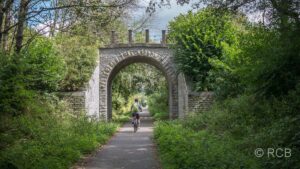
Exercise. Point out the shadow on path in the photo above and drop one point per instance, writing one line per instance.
(127, 150)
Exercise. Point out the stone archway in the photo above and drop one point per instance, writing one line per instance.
(96, 98)
(112, 60)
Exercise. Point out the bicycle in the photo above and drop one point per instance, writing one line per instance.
(135, 125)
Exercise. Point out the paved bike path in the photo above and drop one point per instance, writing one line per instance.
(127, 150)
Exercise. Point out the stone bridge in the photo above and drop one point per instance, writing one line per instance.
(96, 98)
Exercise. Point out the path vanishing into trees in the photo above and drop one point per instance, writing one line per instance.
(128, 150)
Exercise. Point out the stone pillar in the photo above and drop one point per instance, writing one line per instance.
(113, 37)
(130, 36)
(163, 37)
(92, 95)
(147, 36)
(182, 96)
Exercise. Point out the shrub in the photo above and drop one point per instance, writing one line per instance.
(50, 137)
(234, 128)
(199, 37)
(183, 148)
(158, 105)
(22, 75)
(42, 69)
(80, 56)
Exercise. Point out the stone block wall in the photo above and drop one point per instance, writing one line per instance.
(76, 100)
(87, 99)
(200, 102)
(92, 95)
(182, 96)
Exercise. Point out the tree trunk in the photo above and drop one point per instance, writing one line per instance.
(20, 26)
(7, 22)
(53, 25)
(1, 17)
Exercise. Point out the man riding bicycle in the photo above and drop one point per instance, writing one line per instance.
(135, 109)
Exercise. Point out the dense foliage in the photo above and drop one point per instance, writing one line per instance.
(49, 137)
(180, 147)
(140, 81)
(35, 125)
(46, 48)
(80, 55)
(35, 69)
(233, 129)
(158, 104)
(256, 82)
(200, 37)
(42, 69)
(270, 65)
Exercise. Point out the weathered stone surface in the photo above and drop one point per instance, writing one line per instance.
(200, 102)
(86, 100)
(96, 98)
(119, 57)
(182, 96)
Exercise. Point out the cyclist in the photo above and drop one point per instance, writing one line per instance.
(135, 109)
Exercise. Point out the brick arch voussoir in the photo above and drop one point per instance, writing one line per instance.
(165, 61)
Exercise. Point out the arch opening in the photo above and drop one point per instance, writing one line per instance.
(112, 60)
(138, 59)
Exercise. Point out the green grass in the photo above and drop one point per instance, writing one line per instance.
(183, 148)
(227, 136)
(48, 141)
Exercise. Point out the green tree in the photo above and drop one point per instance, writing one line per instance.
(257, 77)
(133, 80)
(80, 55)
(198, 38)
(271, 59)
(43, 69)
(36, 69)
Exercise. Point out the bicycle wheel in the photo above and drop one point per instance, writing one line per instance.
(135, 126)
